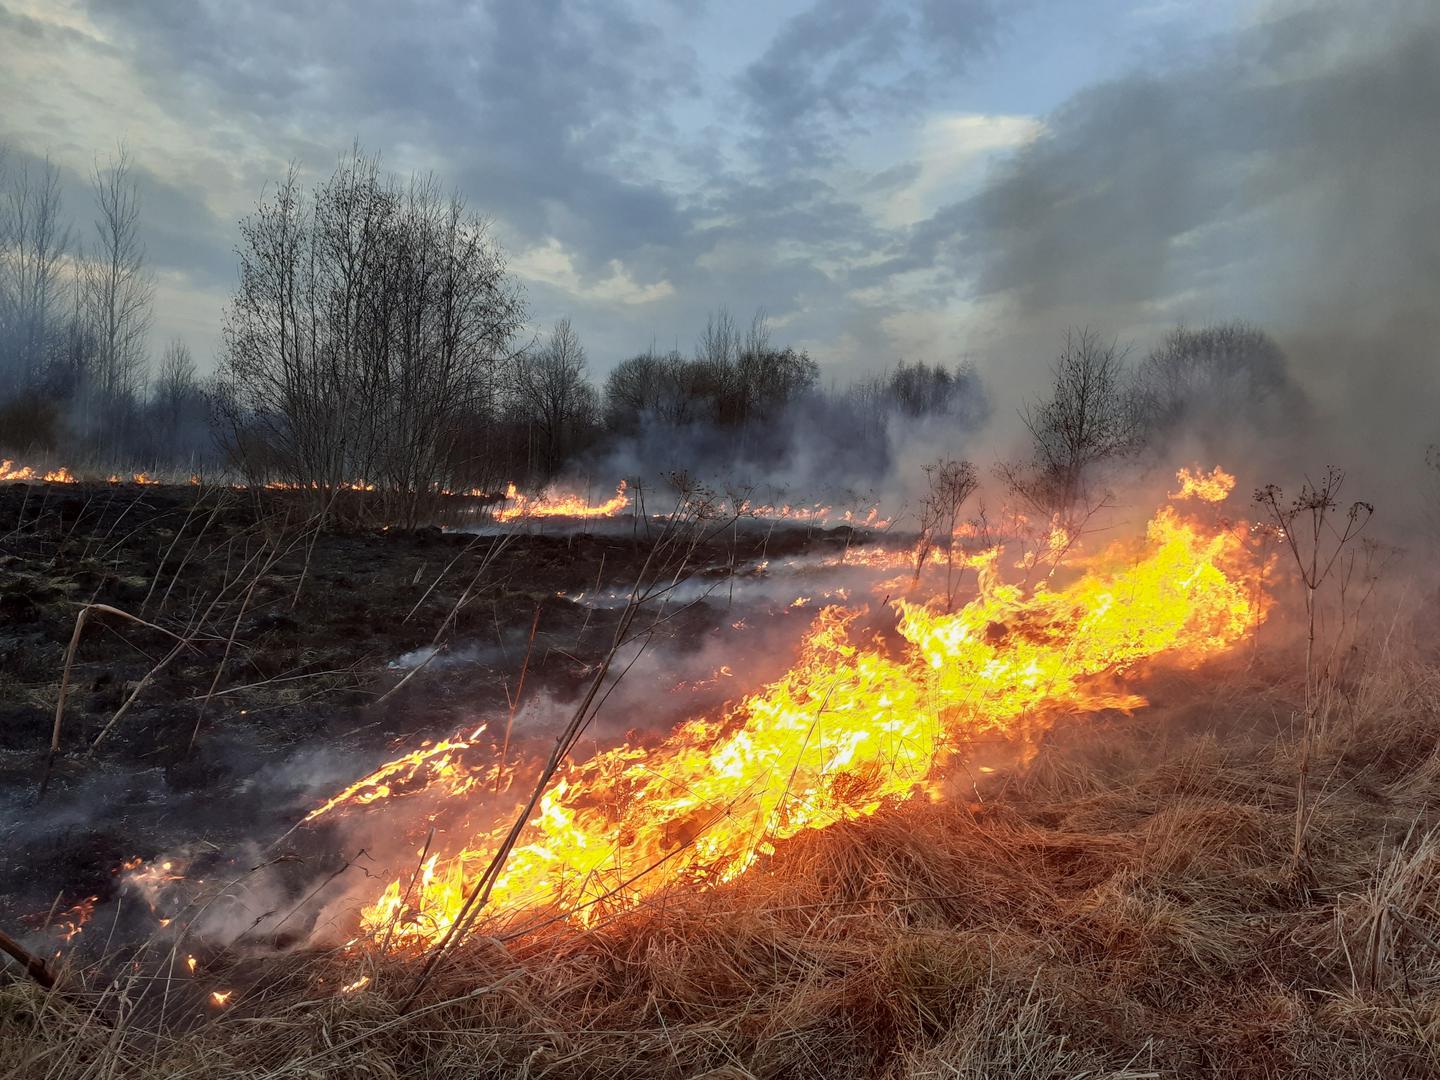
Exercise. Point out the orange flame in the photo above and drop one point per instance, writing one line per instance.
(1214, 486)
(552, 503)
(853, 725)
(10, 471)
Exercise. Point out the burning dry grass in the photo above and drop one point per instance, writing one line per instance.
(1123, 907)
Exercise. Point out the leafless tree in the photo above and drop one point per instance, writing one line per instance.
(119, 288)
(173, 395)
(369, 326)
(1210, 380)
(555, 396)
(33, 242)
(950, 484)
(1090, 418)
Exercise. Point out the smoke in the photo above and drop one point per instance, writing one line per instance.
(1282, 174)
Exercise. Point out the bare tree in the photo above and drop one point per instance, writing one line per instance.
(555, 397)
(173, 395)
(1089, 419)
(368, 329)
(33, 242)
(1209, 381)
(950, 484)
(119, 286)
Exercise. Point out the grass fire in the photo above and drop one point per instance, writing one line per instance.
(441, 637)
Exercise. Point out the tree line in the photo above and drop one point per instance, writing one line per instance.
(376, 333)
(75, 317)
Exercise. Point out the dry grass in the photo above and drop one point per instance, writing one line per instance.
(1125, 908)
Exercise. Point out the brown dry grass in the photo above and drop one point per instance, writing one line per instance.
(1126, 907)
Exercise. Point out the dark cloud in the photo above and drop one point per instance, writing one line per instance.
(838, 65)
(525, 104)
(180, 232)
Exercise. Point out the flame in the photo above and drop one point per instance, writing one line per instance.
(219, 997)
(359, 984)
(10, 471)
(856, 723)
(439, 762)
(552, 503)
(1214, 486)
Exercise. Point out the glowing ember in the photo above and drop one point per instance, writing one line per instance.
(220, 997)
(359, 984)
(1214, 486)
(855, 724)
(551, 503)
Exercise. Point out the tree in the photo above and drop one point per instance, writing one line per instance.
(33, 242)
(950, 483)
(555, 396)
(1209, 380)
(174, 396)
(119, 287)
(369, 327)
(1089, 418)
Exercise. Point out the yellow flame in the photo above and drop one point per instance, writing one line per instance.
(854, 724)
(1214, 486)
(552, 503)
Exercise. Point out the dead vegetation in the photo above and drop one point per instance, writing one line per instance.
(1121, 907)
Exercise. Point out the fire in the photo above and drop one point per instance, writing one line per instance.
(1214, 486)
(855, 724)
(439, 762)
(10, 471)
(359, 984)
(219, 997)
(552, 503)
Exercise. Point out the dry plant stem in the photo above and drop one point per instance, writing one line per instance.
(181, 644)
(190, 551)
(441, 576)
(434, 652)
(170, 548)
(276, 554)
(480, 894)
(80, 620)
(596, 591)
(34, 966)
(410, 888)
(515, 700)
(310, 547)
(304, 1064)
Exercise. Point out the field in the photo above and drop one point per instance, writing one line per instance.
(1108, 889)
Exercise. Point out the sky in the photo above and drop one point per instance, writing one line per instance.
(938, 180)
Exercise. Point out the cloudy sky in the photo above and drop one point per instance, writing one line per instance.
(929, 180)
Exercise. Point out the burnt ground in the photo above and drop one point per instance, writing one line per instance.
(264, 676)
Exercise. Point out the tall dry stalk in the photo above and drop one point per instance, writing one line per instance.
(1315, 545)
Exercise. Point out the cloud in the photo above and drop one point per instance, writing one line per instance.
(841, 64)
(1285, 175)
(553, 265)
